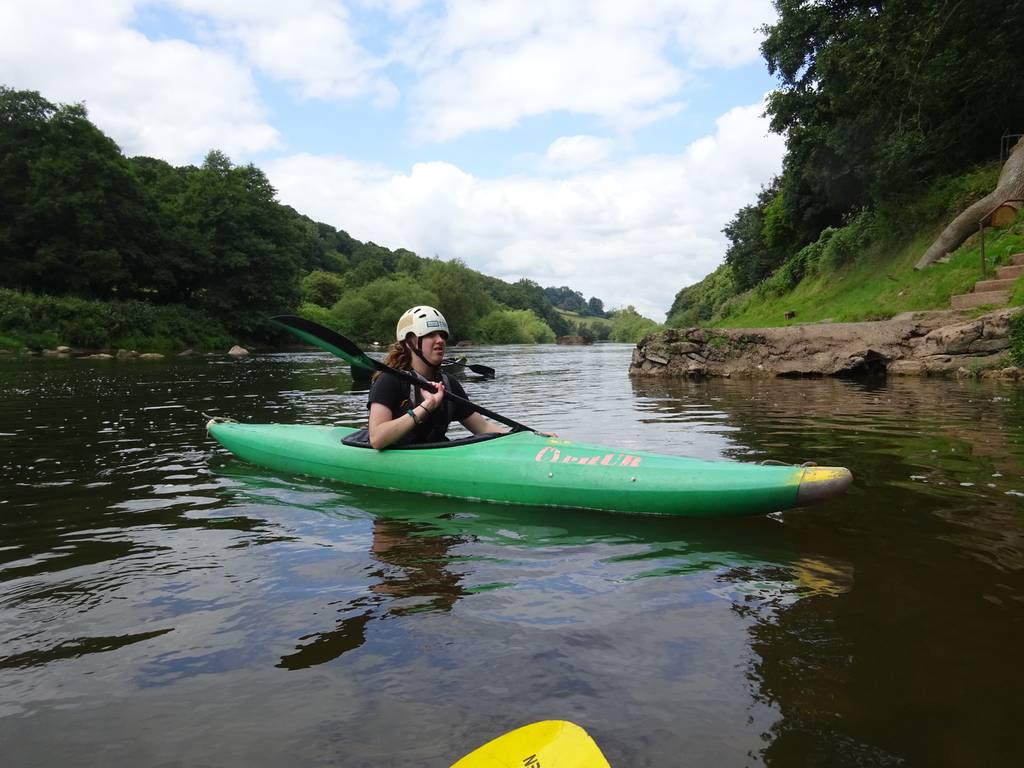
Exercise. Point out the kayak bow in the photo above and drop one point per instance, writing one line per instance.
(547, 744)
(531, 469)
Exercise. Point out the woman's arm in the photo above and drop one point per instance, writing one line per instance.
(478, 425)
(385, 428)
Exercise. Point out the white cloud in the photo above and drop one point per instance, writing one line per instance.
(630, 232)
(634, 234)
(171, 99)
(310, 43)
(573, 153)
(491, 65)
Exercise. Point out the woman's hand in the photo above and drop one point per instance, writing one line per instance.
(432, 400)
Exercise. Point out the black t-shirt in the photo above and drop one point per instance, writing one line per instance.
(401, 396)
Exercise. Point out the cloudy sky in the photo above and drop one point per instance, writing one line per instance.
(591, 143)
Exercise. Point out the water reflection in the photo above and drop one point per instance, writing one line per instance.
(877, 629)
(412, 576)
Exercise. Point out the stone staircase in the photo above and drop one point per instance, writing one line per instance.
(992, 292)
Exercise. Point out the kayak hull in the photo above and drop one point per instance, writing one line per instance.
(530, 469)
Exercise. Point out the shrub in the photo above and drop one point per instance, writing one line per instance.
(47, 321)
(513, 326)
(630, 326)
(321, 287)
(1016, 349)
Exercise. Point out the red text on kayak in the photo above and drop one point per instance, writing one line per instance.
(555, 456)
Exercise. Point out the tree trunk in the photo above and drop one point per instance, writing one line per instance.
(1005, 214)
(1010, 184)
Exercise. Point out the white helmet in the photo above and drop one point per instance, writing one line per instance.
(421, 321)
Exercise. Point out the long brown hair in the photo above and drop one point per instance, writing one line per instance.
(398, 356)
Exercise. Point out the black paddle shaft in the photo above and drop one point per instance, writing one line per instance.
(337, 344)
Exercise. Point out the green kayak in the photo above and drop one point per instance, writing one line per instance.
(527, 468)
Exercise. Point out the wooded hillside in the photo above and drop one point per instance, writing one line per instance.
(878, 102)
(78, 219)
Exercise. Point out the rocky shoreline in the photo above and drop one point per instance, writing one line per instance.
(121, 354)
(941, 343)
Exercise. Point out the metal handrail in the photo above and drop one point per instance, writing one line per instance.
(1004, 145)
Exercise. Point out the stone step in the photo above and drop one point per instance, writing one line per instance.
(1007, 273)
(971, 300)
(1018, 259)
(994, 285)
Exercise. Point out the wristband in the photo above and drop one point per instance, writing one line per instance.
(412, 413)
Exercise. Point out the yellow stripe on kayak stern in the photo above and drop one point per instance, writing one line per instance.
(820, 483)
(547, 744)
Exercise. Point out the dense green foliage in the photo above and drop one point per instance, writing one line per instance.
(322, 287)
(588, 327)
(876, 97)
(69, 199)
(526, 294)
(630, 326)
(568, 300)
(370, 312)
(1016, 350)
(78, 219)
(896, 116)
(699, 303)
(760, 238)
(863, 270)
(880, 283)
(513, 326)
(37, 322)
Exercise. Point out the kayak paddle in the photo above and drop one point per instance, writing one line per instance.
(547, 744)
(448, 365)
(484, 370)
(338, 345)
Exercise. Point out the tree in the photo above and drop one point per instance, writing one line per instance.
(595, 307)
(1010, 186)
(630, 326)
(371, 312)
(73, 219)
(875, 98)
(698, 303)
(760, 238)
(322, 288)
(567, 299)
(526, 294)
(248, 259)
(513, 326)
(460, 294)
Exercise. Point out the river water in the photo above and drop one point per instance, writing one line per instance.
(164, 604)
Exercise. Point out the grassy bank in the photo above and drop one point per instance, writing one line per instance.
(865, 269)
(30, 321)
(878, 285)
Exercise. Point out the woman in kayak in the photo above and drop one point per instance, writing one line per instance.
(403, 414)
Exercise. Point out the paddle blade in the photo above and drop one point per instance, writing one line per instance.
(547, 744)
(326, 339)
(484, 370)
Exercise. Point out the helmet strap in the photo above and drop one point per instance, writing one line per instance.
(418, 351)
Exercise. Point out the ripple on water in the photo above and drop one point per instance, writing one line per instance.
(136, 556)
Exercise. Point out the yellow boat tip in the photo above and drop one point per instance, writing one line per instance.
(820, 483)
(547, 744)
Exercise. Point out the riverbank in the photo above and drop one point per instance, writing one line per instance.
(35, 322)
(946, 342)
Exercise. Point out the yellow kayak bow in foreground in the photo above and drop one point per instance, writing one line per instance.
(547, 744)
